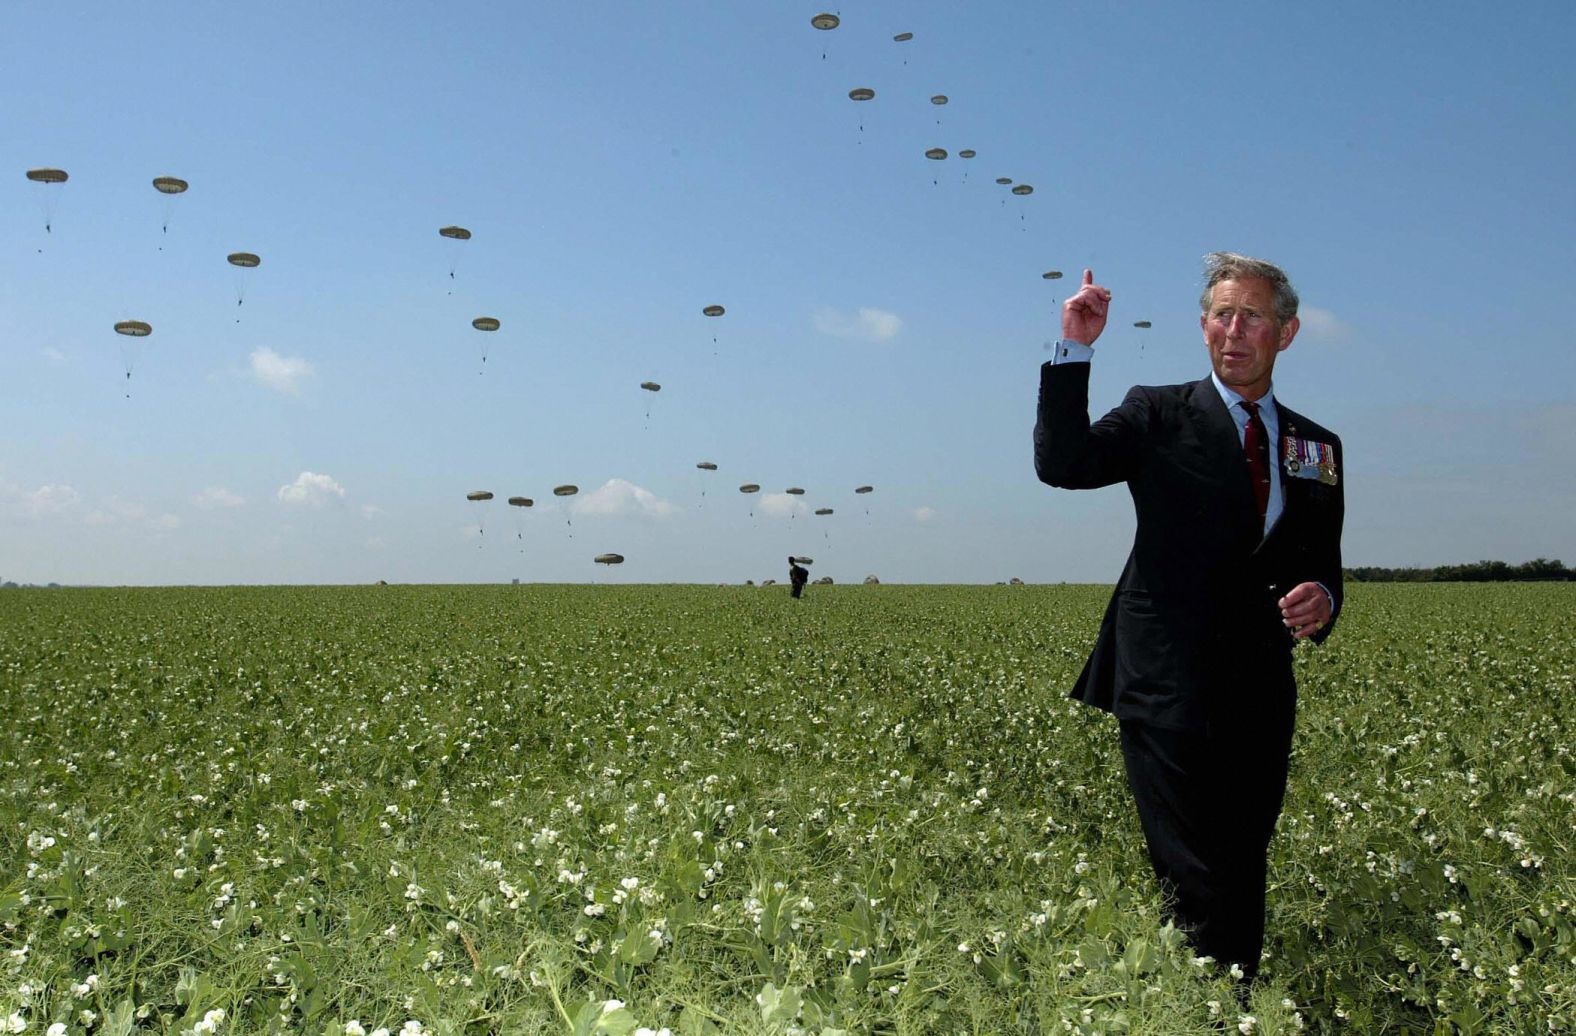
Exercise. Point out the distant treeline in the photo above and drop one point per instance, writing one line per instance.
(1540, 570)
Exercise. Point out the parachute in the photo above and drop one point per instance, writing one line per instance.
(749, 487)
(1022, 189)
(1004, 180)
(479, 496)
(485, 324)
(567, 491)
(902, 37)
(798, 560)
(47, 195)
(1142, 323)
(865, 489)
(609, 559)
(713, 311)
(823, 510)
(794, 491)
(706, 465)
(938, 100)
(826, 21)
(1052, 275)
(967, 152)
(520, 501)
(936, 154)
(131, 329)
(651, 386)
(861, 93)
(242, 261)
(169, 186)
(455, 234)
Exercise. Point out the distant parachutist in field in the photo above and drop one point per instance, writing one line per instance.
(861, 93)
(903, 37)
(936, 154)
(1022, 190)
(793, 491)
(967, 152)
(713, 311)
(750, 488)
(704, 465)
(652, 387)
(938, 100)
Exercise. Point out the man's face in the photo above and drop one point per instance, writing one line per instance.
(1243, 335)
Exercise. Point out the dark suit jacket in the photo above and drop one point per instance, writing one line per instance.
(1192, 638)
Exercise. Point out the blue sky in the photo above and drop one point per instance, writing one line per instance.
(622, 165)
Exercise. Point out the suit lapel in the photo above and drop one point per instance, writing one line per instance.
(1218, 432)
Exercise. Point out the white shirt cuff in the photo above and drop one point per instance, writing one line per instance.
(1069, 351)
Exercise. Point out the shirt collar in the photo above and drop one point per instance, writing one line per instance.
(1232, 397)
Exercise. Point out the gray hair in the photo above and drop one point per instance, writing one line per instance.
(1229, 266)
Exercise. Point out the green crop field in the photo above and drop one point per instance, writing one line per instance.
(627, 809)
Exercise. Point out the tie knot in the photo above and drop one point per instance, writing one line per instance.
(1251, 407)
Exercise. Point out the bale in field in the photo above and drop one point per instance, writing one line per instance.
(1014, 581)
(871, 580)
(824, 581)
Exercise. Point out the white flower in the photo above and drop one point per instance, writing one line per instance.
(411, 1028)
(354, 1028)
(1246, 1024)
(56, 1029)
(15, 1022)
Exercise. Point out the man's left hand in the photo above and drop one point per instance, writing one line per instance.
(1305, 610)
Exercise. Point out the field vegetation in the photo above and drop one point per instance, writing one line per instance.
(625, 809)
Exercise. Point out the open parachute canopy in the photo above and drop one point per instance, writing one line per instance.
(826, 21)
(134, 328)
(520, 501)
(861, 93)
(939, 99)
(798, 560)
(936, 154)
(902, 37)
(1022, 188)
(486, 324)
(714, 311)
(479, 494)
(749, 487)
(1004, 180)
(651, 386)
(48, 175)
(609, 559)
(967, 152)
(794, 491)
(823, 510)
(457, 233)
(170, 185)
(565, 490)
(1142, 323)
(245, 260)
(1052, 275)
(865, 489)
(706, 465)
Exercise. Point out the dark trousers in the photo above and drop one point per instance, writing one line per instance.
(797, 589)
(1208, 806)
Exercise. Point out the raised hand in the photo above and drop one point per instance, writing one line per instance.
(1083, 315)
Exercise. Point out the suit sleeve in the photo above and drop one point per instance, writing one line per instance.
(1072, 453)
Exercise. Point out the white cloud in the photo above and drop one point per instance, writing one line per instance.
(280, 373)
(1321, 324)
(866, 325)
(47, 501)
(215, 497)
(167, 521)
(779, 504)
(52, 354)
(924, 514)
(617, 497)
(312, 490)
(371, 511)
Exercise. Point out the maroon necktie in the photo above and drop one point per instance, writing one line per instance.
(1256, 444)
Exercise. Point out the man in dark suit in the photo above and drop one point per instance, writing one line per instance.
(1236, 558)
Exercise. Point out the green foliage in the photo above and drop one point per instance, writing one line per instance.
(597, 810)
